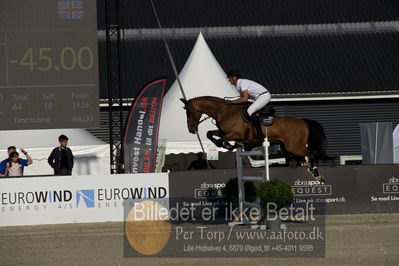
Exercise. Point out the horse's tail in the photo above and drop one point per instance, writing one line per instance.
(317, 141)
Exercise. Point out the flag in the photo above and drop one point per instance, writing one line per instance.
(140, 140)
(70, 9)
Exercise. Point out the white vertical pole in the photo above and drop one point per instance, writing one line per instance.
(376, 144)
(241, 187)
(266, 145)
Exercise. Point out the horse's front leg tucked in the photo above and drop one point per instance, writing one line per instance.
(211, 136)
(228, 146)
(220, 142)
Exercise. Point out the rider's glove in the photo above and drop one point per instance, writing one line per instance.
(229, 102)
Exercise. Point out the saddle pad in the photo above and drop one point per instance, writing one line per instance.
(266, 120)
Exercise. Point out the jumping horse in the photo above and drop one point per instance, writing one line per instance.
(300, 137)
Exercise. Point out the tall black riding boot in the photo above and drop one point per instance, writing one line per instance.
(256, 122)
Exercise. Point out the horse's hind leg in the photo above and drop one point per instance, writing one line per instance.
(312, 168)
(302, 150)
(297, 150)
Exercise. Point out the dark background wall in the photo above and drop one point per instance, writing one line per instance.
(294, 63)
(284, 64)
(194, 13)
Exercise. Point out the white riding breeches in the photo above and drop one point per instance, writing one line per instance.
(259, 103)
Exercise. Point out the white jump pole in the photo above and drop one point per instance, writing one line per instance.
(266, 145)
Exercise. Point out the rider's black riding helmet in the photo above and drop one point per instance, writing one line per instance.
(233, 73)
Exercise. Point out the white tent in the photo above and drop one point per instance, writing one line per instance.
(200, 76)
(91, 154)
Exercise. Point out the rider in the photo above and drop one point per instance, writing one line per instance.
(250, 90)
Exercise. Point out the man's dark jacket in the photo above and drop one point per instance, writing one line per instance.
(54, 160)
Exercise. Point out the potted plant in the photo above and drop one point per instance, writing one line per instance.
(277, 192)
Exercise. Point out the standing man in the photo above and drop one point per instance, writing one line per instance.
(61, 158)
(22, 162)
(249, 89)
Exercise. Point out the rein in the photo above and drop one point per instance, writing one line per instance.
(206, 118)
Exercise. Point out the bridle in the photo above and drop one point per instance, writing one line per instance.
(196, 123)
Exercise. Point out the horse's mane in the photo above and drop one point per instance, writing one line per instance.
(213, 98)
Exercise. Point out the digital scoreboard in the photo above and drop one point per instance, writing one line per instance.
(48, 64)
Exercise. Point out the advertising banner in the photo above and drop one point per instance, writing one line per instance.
(348, 189)
(141, 131)
(377, 143)
(75, 199)
(378, 188)
(212, 152)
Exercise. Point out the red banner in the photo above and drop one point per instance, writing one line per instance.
(141, 131)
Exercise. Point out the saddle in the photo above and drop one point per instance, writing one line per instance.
(265, 115)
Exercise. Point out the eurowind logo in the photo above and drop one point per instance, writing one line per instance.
(85, 195)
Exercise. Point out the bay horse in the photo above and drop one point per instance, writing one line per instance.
(300, 137)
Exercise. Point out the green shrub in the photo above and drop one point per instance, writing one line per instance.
(230, 191)
(275, 191)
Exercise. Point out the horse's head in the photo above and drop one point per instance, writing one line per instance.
(193, 116)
